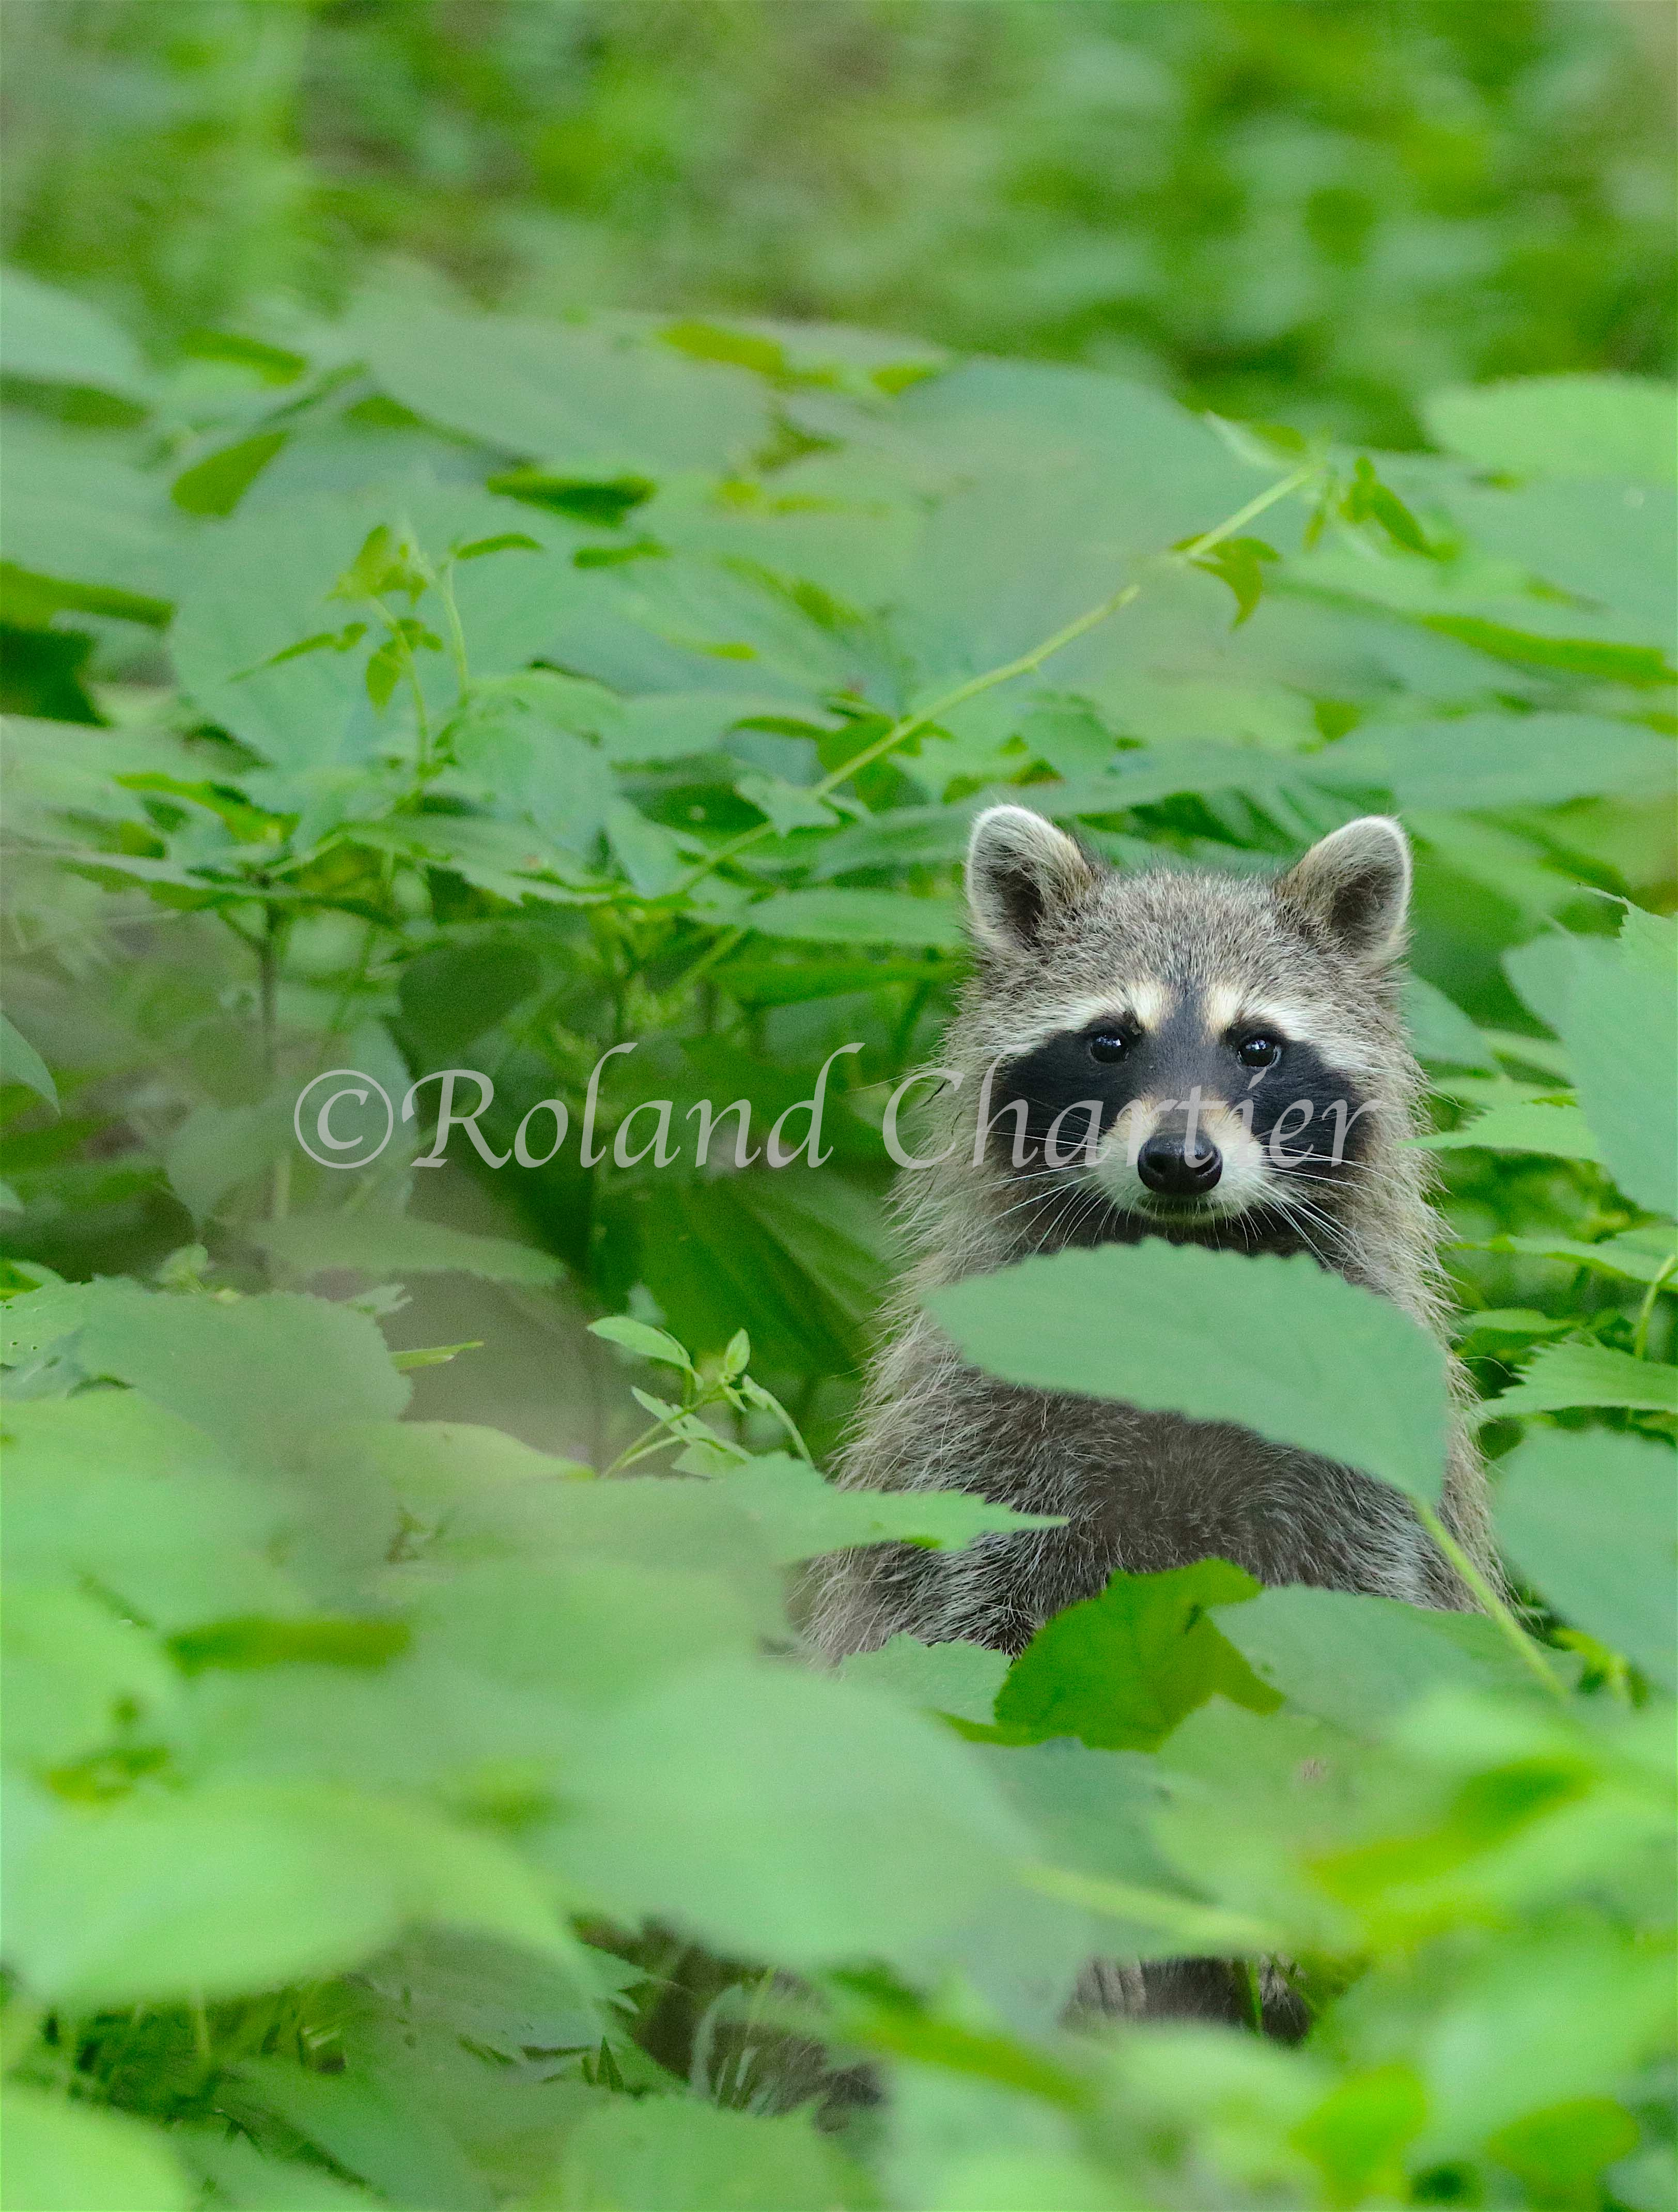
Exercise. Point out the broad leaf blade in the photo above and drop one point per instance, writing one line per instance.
(1302, 1355)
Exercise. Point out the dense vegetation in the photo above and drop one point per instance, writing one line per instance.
(1308, 210)
(401, 1815)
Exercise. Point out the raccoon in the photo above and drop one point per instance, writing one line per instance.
(1209, 1059)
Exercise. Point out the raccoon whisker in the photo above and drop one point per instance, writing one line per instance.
(1300, 1211)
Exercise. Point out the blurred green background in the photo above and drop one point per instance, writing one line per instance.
(1308, 210)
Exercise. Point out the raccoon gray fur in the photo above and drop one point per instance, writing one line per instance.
(1198, 1012)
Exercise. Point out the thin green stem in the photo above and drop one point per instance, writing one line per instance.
(1530, 1652)
(421, 720)
(1281, 490)
(1646, 1311)
(444, 584)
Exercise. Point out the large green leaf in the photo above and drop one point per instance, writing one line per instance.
(1121, 1670)
(802, 1515)
(95, 530)
(72, 2157)
(50, 337)
(1360, 1660)
(1592, 1523)
(782, 1816)
(1611, 544)
(259, 583)
(109, 1488)
(1615, 1002)
(1441, 1035)
(857, 917)
(1521, 1125)
(262, 1377)
(399, 1245)
(1499, 761)
(73, 1669)
(957, 1678)
(226, 1891)
(1304, 1357)
(1084, 476)
(667, 2154)
(1561, 426)
(591, 399)
(792, 1258)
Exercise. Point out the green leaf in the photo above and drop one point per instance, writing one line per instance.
(1573, 656)
(34, 1321)
(1592, 1523)
(1304, 1358)
(646, 1342)
(521, 763)
(962, 1678)
(1441, 1034)
(80, 516)
(231, 1889)
(1368, 500)
(802, 1515)
(1237, 562)
(779, 1816)
(21, 1063)
(109, 1488)
(669, 2153)
(1565, 2149)
(504, 541)
(50, 337)
(589, 400)
(73, 2157)
(247, 2177)
(1500, 2047)
(218, 1148)
(789, 806)
(1361, 1661)
(215, 484)
(1564, 1375)
(72, 1670)
(1616, 1005)
(383, 2122)
(857, 917)
(1498, 761)
(262, 1377)
(399, 1245)
(1521, 1126)
(252, 1640)
(1121, 1670)
(1627, 1256)
(1561, 426)
(1359, 2134)
(649, 855)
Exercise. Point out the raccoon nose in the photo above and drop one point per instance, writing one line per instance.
(1165, 1165)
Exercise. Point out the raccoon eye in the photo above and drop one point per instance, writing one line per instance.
(1259, 1051)
(1109, 1045)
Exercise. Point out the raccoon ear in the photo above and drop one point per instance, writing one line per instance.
(1022, 874)
(1355, 885)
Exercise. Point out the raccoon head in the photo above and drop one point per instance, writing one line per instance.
(1187, 1052)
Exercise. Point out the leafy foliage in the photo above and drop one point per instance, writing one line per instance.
(1317, 211)
(417, 1808)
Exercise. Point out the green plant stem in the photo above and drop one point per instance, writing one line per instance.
(444, 585)
(1646, 1311)
(1026, 665)
(268, 950)
(1531, 1655)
